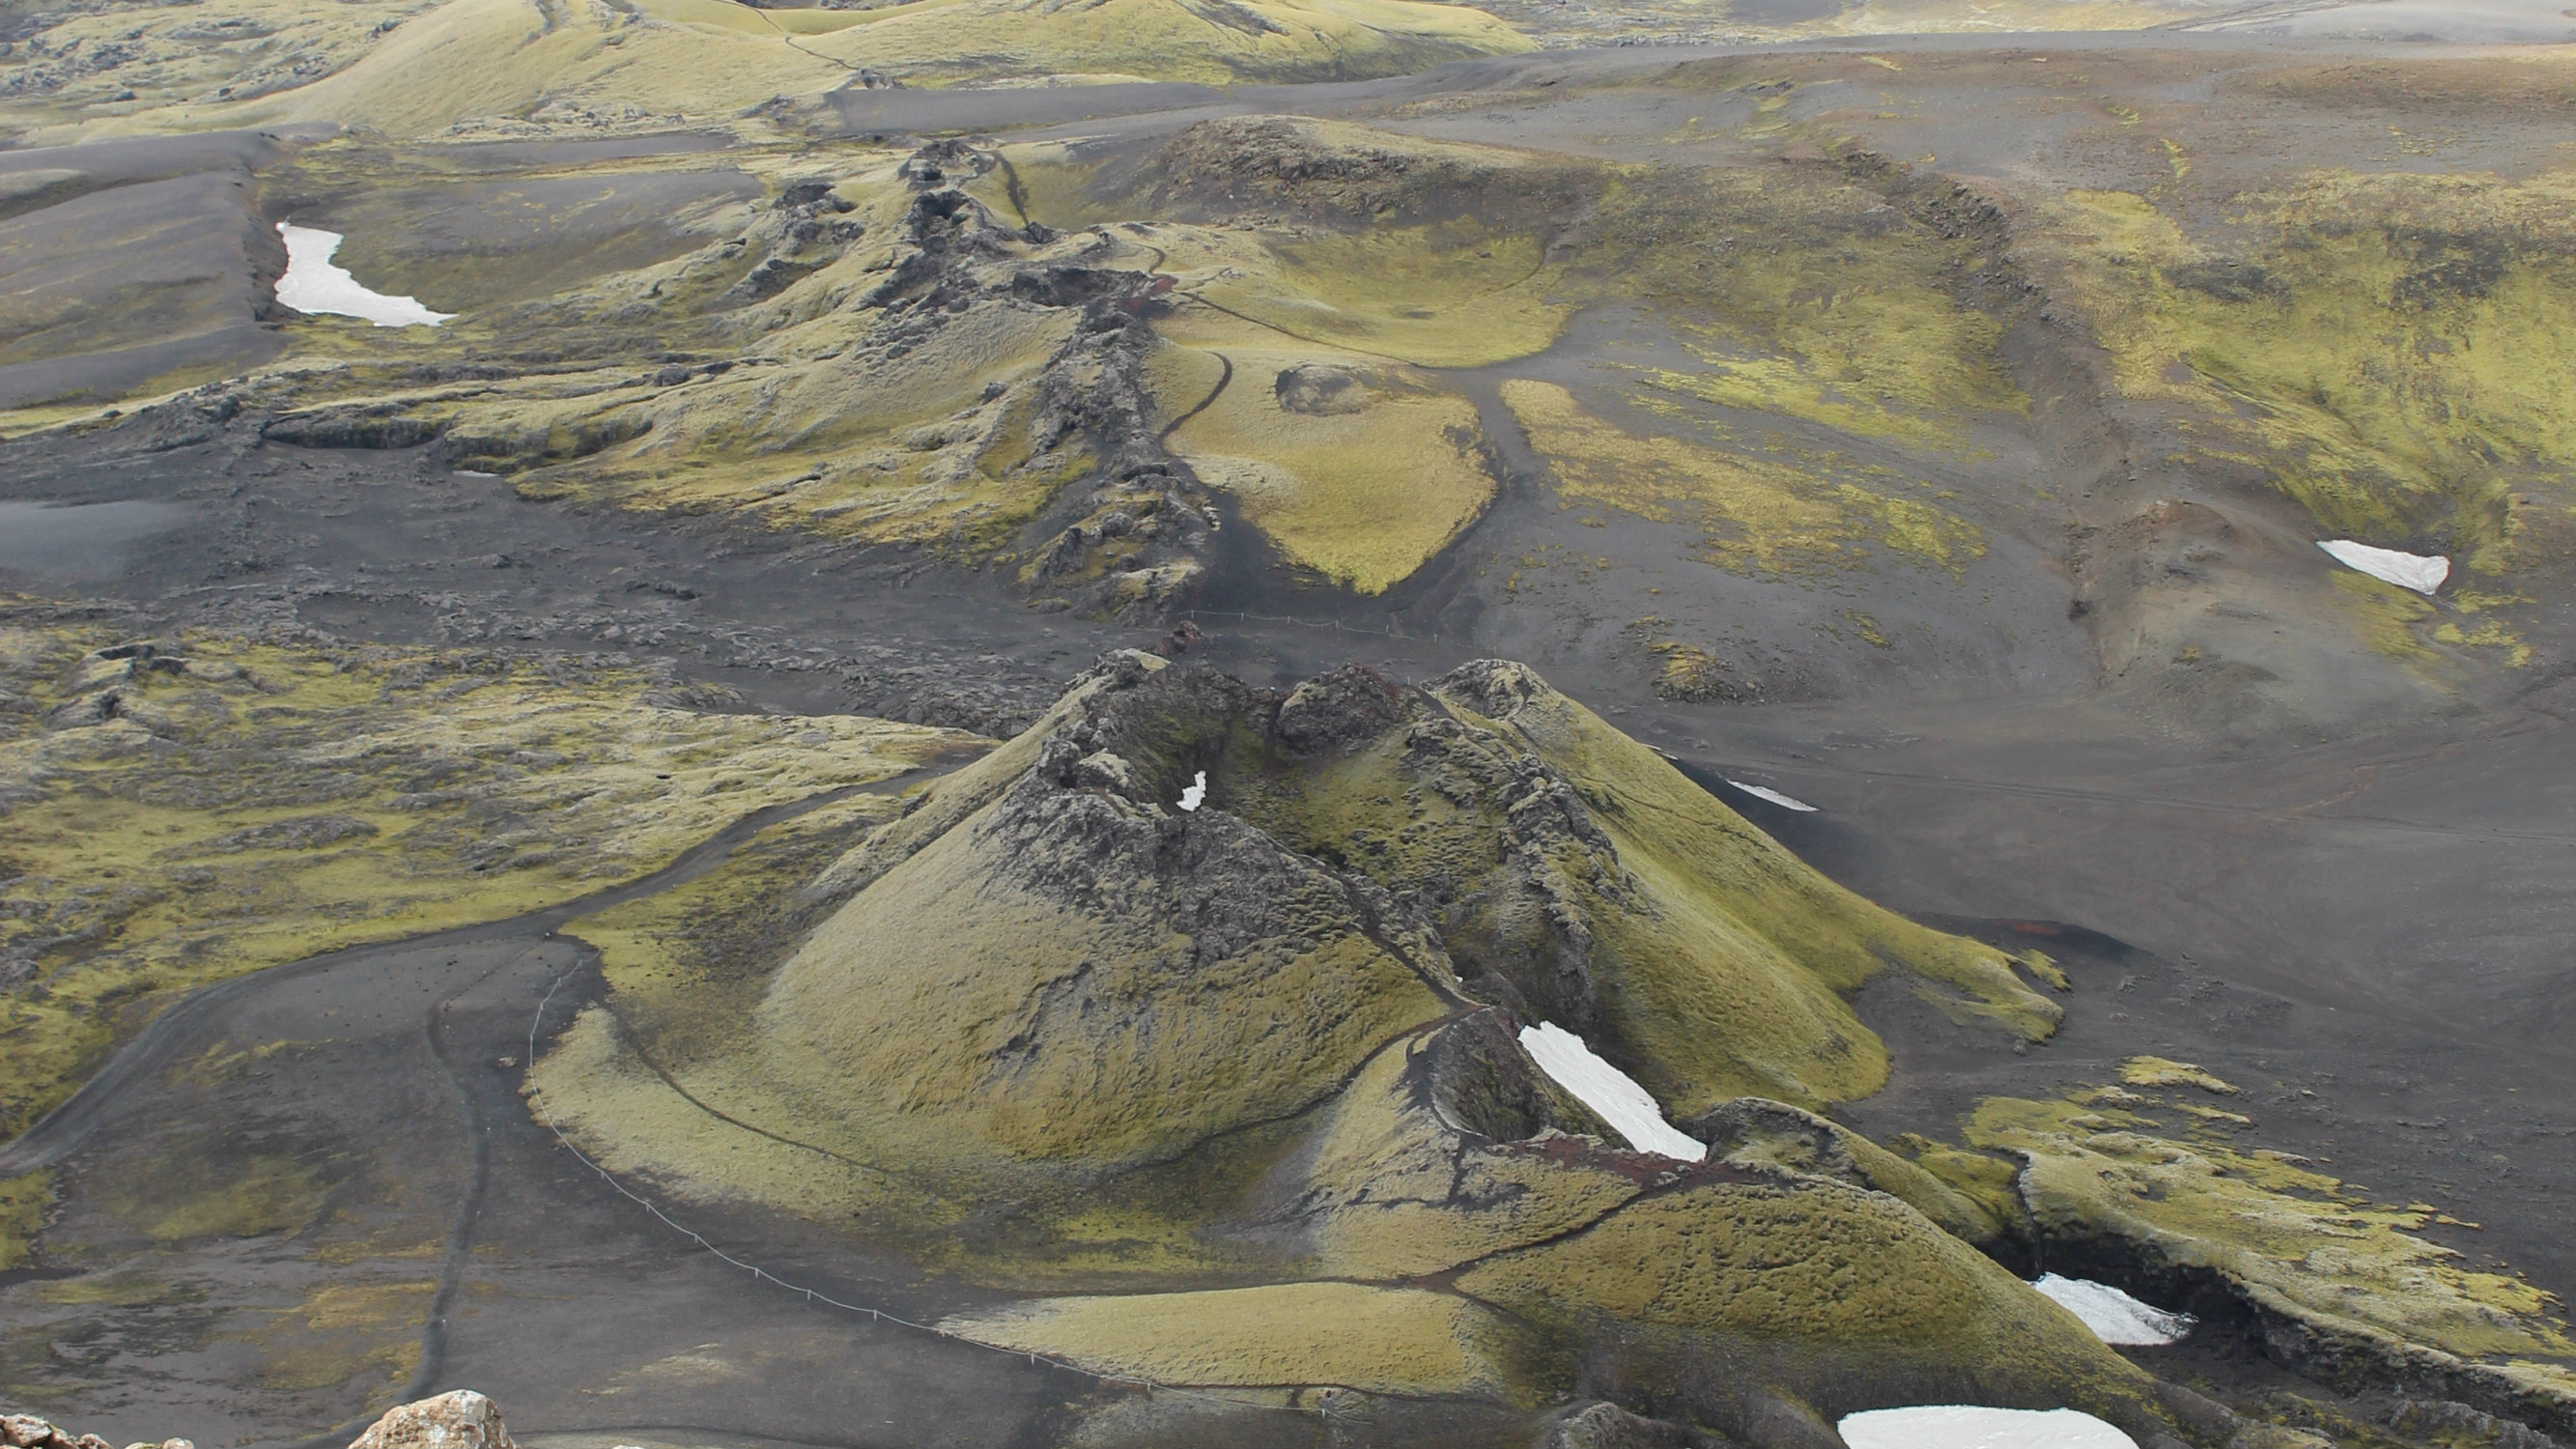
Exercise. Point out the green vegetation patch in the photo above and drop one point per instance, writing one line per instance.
(1375, 1339)
(2294, 1241)
(1800, 294)
(1727, 955)
(959, 1007)
(24, 1202)
(344, 1335)
(1755, 513)
(1449, 294)
(1360, 472)
(2160, 1072)
(189, 809)
(685, 963)
(1849, 1282)
(2392, 350)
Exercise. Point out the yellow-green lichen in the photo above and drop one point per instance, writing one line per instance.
(1359, 472)
(1844, 1275)
(1755, 514)
(213, 804)
(197, 1194)
(918, 1055)
(2291, 1239)
(24, 1201)
(1722, 972)
(2161, 1072)
(345, 1334)
(1801, 296)
(1377, 1339)
(2391, 349)
(1435, 296)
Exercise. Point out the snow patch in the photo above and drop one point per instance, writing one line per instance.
(1196, 795)
(313, 285)
(2405, 570)
(2114, 1316)
(1775, 797)
(1966, 1426)
(1607, 1090)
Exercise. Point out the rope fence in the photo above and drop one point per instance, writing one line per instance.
(1336, 625)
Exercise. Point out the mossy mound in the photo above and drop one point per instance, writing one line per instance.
(1050, 961)
(2341, 1286)
(1060, 1033)
(1066, 978)
(1570, 873)
(1349, 1335)
(1836, 1289)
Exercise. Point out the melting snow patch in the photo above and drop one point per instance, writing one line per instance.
(1964, 1426)
(1775, 797)
(2405, 570)
(1196, 794)
(2114, 1316)
(312, 284)
(1607, 1090)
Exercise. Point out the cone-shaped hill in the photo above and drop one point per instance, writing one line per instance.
(1252, 1066)
(1369, 859)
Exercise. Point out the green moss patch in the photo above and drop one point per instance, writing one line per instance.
(198, 807)
(2297, 1244)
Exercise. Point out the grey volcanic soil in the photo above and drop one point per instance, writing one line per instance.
(2366, 928)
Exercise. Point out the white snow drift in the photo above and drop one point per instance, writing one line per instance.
(1775, 797)
(1195, 794)
(1966, 1426)
(2114, 1316)
(2405, 570)
(312, 284)
(1607, 1090)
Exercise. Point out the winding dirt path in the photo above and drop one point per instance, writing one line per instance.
(60, 1131)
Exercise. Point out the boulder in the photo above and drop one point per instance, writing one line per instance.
(461, 1419)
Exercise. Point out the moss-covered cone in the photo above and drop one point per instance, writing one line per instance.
(1243, 1074)
(1052, 959)
(1577, 876)
(1076, 974)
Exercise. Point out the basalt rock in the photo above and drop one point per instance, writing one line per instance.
(26, 1431)
(462, 1419)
